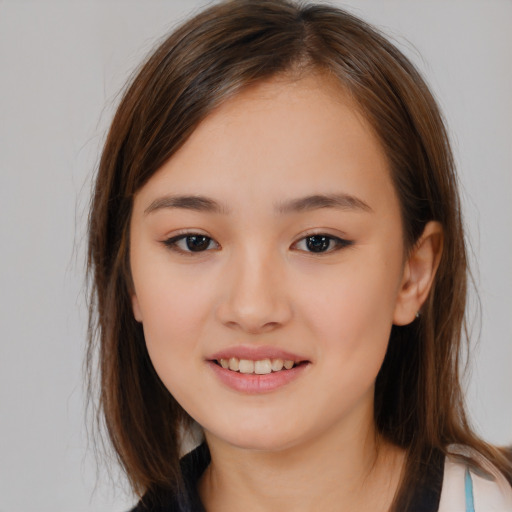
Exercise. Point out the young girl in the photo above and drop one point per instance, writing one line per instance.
(278, 262)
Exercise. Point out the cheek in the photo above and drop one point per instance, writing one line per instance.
(172, 330)
(173, 306)
(350, 323)
(353, 310)
(171, 318)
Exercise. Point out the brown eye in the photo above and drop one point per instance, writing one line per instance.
(191, 243)
(318, 243)
(197, 243)
(321, 243)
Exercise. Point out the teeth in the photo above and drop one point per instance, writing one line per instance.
(260, 367)
(246, 366)
(277, 365)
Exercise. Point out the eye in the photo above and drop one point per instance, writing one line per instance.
(321, 243)
(190, 243)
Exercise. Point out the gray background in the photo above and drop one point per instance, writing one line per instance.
(62, 64)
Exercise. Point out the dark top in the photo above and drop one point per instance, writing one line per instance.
(426, 498)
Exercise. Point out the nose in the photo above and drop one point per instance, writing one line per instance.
(255, 298)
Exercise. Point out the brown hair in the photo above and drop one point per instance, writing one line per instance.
(418, 399)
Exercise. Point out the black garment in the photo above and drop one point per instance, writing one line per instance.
(426, 498)
(192, 467)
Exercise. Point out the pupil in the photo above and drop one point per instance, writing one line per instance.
(317, 243)
(197, 243)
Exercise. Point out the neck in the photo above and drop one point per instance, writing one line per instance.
(333, 472)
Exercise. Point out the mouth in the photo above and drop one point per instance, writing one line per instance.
(257, 367)
(258, 376)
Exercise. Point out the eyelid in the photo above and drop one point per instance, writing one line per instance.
(171, 242)
(340, 242)
(322, 232)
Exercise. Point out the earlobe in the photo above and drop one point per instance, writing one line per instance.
(418, 275)
(136, 308)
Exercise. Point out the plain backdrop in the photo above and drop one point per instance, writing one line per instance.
(62, 64)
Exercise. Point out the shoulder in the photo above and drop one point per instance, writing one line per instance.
(467, 488)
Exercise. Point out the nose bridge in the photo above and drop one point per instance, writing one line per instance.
(257, 299)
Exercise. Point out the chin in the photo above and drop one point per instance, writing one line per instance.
(271, 437)
(262, 444)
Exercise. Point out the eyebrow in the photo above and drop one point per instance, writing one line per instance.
(317, 201)
(313, 202)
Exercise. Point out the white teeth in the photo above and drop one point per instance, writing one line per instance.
(277, 365)
(246, 366)
(260, 367)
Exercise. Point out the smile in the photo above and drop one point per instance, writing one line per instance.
(259, 367)
(257, 376)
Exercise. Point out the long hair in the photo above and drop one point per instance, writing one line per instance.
(418, 399)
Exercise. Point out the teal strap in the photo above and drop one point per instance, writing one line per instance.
(468, 484)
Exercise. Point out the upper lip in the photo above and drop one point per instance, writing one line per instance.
(253, 353)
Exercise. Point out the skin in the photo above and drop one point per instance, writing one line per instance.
(311, 444)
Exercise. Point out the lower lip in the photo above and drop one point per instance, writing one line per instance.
(252, 383)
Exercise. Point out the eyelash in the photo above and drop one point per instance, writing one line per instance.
(339, 243)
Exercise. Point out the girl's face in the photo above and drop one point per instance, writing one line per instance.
(273, 235)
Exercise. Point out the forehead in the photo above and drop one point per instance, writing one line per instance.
(283, 137)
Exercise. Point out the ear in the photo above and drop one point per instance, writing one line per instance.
(136, 308)
(419, 272)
